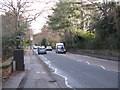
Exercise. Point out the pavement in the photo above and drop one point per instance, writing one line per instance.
(36, 75)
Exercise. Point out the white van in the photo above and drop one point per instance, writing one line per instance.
(60, 48)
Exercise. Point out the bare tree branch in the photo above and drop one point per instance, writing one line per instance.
(96, 5)
(22, 7)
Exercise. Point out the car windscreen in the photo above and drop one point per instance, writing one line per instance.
(60, 47)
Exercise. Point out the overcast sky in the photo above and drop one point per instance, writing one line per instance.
(41, 20)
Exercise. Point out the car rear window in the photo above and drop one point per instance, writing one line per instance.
(42, 48)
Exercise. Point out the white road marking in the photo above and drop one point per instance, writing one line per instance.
(37, 72)
(66, 79)
(92, 64)
(103, 67)
(55, 69)
(98, 66)
(88, 63)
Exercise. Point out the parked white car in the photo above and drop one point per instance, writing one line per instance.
(35, 47)
(41, 50)
(49, 48)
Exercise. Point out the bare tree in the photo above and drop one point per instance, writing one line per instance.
(22, 9)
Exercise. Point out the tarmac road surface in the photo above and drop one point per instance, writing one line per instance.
(84, 71)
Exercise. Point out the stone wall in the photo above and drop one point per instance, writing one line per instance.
(6, 68)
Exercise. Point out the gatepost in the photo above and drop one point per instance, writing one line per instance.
(19, 59)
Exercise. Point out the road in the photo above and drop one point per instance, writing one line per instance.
(84, 71)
